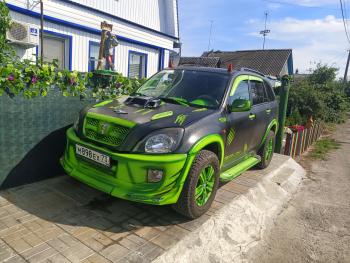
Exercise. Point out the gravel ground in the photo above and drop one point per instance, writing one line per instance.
(315, 225)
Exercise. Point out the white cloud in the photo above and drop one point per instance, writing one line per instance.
(318, 40)
(310, 2)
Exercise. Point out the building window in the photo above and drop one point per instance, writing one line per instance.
(137, 65)
(94, 49)
(57, 46)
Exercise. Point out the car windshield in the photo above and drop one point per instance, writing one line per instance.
(186, 87)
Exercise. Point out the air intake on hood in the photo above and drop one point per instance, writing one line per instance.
(146, 102)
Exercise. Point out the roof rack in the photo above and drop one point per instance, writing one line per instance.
(254, 71)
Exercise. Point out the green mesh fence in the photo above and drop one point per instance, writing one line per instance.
(24, 123)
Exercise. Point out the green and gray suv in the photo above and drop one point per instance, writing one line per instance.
(173, 139)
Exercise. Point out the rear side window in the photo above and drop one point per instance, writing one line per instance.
(269, 91)
(242, 92)
(257, 90)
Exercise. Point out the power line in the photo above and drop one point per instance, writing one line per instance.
(344, 20)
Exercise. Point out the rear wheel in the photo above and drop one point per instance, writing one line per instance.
(200, 187)
(266, 151)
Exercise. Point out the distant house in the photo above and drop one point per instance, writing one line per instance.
(273, 62)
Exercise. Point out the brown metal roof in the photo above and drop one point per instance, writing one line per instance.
(212, 62)
(269, 61)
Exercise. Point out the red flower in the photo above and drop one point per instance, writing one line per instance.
(34, 79)
(11, 77)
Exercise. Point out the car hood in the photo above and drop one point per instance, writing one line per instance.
(166, 115)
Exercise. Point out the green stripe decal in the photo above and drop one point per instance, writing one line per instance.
(162, 115)
(231, 136)
(103, 103)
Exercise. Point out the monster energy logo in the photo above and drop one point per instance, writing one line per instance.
(230, 136)
(180, 119)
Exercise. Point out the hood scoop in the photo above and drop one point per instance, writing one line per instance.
(146, 102)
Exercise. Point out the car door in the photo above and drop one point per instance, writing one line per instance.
(260, 111)
(239, 126)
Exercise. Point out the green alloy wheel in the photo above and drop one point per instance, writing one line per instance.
(200, 187)
(266, 151)
(205, 185)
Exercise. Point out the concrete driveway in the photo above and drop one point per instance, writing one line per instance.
(315, 225)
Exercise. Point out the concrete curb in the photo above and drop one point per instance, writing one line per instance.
(239, 225)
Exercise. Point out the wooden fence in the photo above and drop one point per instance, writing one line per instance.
(301, 139)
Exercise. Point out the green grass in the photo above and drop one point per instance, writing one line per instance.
(322, 147)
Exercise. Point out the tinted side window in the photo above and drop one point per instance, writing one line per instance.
(258, 92)
(269, 91)
(242, 92)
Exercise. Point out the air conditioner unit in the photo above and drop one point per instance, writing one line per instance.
(23, 34)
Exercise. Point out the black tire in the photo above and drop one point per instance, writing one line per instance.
(264, 151)
(187, 205)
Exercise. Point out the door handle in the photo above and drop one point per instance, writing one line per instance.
(252, 116)
(268, 111)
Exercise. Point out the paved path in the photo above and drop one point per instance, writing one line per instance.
(315, 225)
(62, 220)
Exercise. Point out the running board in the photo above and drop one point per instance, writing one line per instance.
(239, 168)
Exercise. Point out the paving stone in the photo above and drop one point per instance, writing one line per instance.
(58, 244)
(77, 252)
(41, 256)
(15, 259)
(115, 252)
(177, 232)
(96, 258)
(19, 245)
(5, 251)
(57, 258)
(134, 257)
(35, 250)
(148, 232)
(127, 243)
(164, 241)
(32, 239)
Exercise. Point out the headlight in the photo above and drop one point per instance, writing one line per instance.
(161, 141)
(76, 123)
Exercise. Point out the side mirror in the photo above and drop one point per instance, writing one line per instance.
(240, 105)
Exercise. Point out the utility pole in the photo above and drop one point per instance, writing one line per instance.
(347, 68)
(42, 31)
(210, 32)
(266, 31)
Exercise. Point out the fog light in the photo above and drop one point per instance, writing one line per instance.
(155, 176)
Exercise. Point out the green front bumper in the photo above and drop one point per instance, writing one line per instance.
(127, 177)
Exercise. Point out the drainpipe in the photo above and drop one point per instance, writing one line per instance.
(284, 92)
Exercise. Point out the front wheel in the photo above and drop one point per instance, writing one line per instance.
(200, 187)
(266, 151)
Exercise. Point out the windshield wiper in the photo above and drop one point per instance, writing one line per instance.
(180, 101)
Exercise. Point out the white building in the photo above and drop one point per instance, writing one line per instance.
(146, 29)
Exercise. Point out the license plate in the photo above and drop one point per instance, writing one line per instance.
(93, 155)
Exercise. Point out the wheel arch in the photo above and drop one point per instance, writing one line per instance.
(273, 126)
(212, 142)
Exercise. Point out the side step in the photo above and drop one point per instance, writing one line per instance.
(239, 168)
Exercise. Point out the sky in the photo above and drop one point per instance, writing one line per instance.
(312, 28)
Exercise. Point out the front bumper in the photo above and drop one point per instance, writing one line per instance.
(127, 177)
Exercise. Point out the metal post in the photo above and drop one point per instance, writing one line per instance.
(42, 31)
(282, 112)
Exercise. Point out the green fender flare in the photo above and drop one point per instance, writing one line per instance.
(273, 123)
(196, 148)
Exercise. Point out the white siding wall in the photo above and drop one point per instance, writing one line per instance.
(90, 19)
(160, 15)
(93, 20)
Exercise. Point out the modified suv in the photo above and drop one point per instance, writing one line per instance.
(176, 137)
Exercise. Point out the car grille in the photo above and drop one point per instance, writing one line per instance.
(105, 132)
